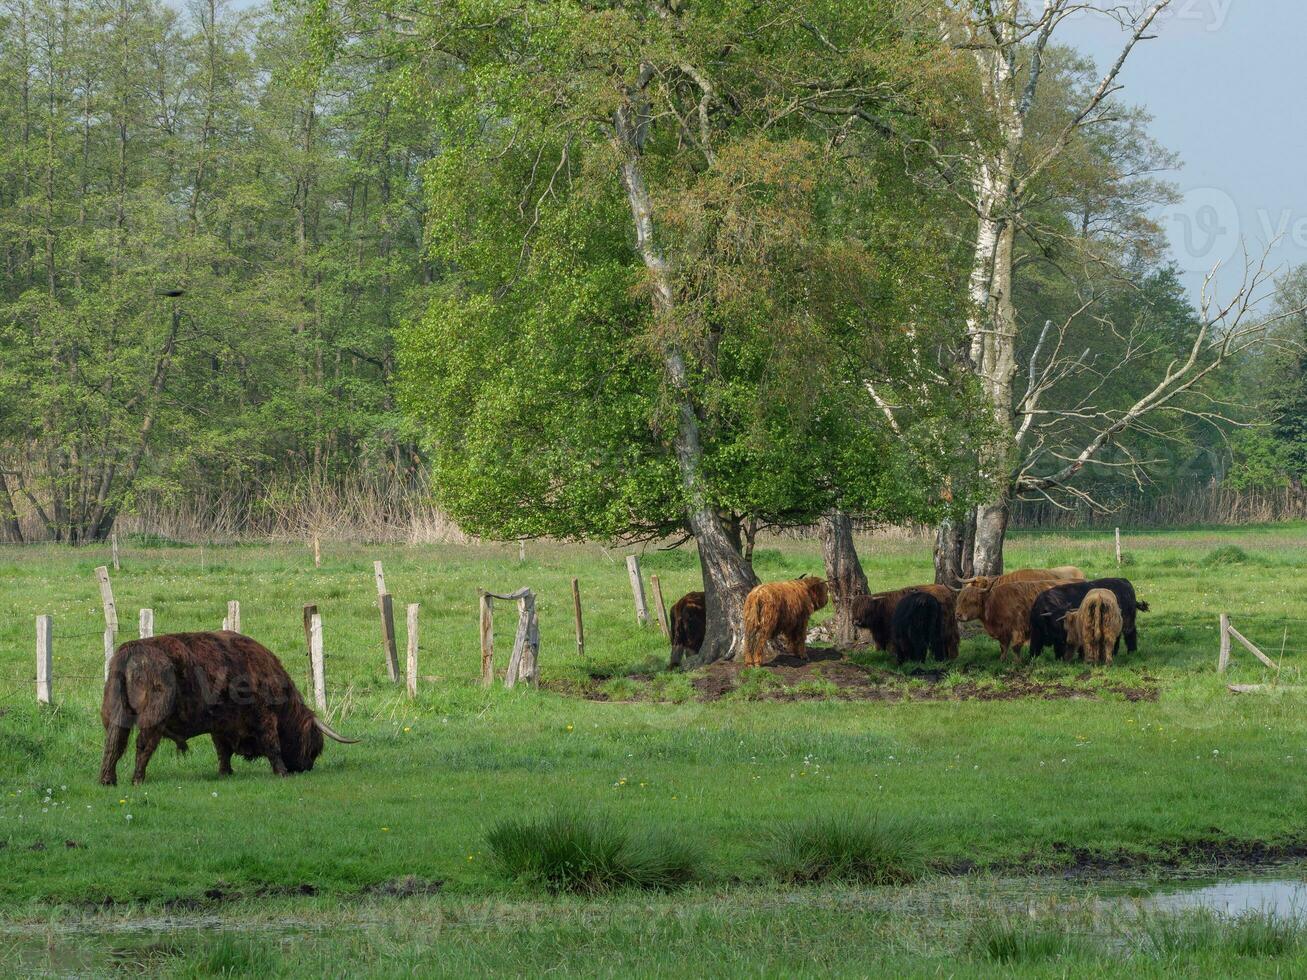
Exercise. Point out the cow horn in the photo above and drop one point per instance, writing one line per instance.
(327, 730)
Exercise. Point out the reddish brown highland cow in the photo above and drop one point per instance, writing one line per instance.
(780, 609)
(220, 684)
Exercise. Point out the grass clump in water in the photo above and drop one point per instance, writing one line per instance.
(1007, 941)
(840, 848)
(1254, 935)
(589, 854)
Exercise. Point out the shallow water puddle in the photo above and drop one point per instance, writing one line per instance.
(1284, 898)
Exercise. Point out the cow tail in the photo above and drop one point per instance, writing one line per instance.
(756, 628)
(115, 711)
(1142, 606)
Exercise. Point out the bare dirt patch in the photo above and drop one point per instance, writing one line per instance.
(829, 675)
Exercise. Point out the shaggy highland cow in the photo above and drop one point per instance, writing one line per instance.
(1004, 611)
(220, 684)
(969, 597)
(688, 619)
(1048, 615)
(921, 624)
(780, 609)
(1095, 628)
(876, 613)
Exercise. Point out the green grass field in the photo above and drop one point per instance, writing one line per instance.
(376, 862)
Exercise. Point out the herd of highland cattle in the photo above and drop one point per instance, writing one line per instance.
(1039, 607)
(234, 689)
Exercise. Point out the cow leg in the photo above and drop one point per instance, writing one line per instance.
(147, 740)
(1132, 639)
(224, 749)
(799, 642)
(271, 742)
(115, 744)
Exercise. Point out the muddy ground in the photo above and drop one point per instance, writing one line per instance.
(829, 674)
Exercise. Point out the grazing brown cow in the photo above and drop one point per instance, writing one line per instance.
(1095, 627)
(1004, 611)
(688, 621)
(876, 613)
(968, 604)
(221, 684)
(779, 609)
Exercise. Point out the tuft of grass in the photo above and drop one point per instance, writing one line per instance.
(623, 689)
(843, 848)
(756, 684)
(1008, 941)
(674, 687)
(1230, 554)
(1254, 935)
(229, 956)
(589, 854)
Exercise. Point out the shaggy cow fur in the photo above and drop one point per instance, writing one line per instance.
(921, 624)
(1004, 612)
(1095, 628)
(969, 597)
(1048, 615)
(220, 684)
(688, 618)
(876, 613)
(780, 609)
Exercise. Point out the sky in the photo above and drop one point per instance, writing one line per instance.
(1226, 82)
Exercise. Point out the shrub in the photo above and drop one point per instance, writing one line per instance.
(589, 854)
(843, 848)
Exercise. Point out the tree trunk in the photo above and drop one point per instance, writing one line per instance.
(727, 577)
(844, 574)
(727, 580)
(954, 550)
(8, 513)
(991, 531)
(993, 331)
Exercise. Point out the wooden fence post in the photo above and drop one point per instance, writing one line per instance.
(44, 659)
(233, 620)
(386, 606)
(637, 589)
(487, 641)
(146, 628)
(660, 608)
(110, 615)
(576, 608)
(521, 549)
(1252, 648)
(531, 654)
(522, 665)
(113, 547)
(411, 674)
(317, 552)
(1118, 547)
(387, 603)
(1224, 660)
(309, 612)
(316, 662)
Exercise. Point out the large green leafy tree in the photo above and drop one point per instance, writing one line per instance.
(676, 292)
